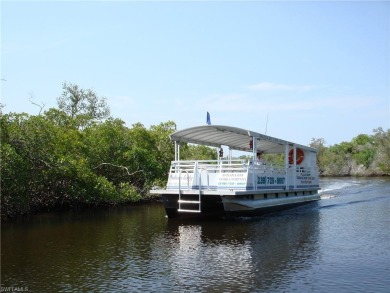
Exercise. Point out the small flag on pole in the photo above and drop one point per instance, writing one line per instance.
(208, 121)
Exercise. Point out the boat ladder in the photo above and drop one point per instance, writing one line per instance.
(194, 202)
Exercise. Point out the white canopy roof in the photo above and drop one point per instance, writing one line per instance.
(233, 137)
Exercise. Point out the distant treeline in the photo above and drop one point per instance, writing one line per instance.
(77, 155)
(365, 155)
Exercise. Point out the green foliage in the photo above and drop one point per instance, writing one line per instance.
(336, 161)
(14, 178)
(198, 152)
(67, 157)
(363, 151)
(361, 139)
(275, 159)
(382, 155)
(128, 193)
(319, 144)
(364, 155)
(165, 149)
(49, 162)
(85, 104)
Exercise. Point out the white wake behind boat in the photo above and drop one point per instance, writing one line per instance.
(238, 187)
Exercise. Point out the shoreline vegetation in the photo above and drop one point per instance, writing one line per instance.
(77, 155)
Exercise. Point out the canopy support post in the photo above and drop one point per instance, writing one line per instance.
(175, 150)
(295, 166)
(286, 164)
(254, 157)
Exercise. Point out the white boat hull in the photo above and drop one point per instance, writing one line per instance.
(247, 206)
(233, 204)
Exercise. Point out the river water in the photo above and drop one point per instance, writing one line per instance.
(340, 244)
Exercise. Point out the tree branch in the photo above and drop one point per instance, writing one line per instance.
(122, 167)
(40, 106)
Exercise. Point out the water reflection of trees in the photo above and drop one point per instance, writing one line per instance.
(138, 249)
(80, 251)
(242, 255)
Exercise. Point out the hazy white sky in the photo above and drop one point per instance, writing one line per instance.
(317, 69)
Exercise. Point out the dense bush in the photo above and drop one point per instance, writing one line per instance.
(48, 161)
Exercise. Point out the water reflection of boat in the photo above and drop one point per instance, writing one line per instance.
(251, 255)
(238, 187)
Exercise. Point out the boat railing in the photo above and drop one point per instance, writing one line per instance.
(212, 166)
(187, 177)
(266, 167)
(236, 165)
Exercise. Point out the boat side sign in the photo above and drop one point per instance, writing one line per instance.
(184, 179)
(232, 180)
(270, 180)
(305, 177)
